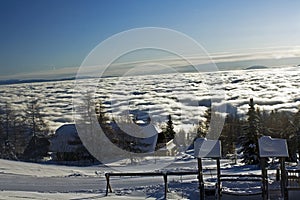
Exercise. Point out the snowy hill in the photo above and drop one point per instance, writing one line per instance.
(44, 181)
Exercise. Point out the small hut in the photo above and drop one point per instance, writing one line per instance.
(67, 146)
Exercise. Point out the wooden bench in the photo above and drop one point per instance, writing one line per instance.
(164, 175)
(292, 182)
(240, 178)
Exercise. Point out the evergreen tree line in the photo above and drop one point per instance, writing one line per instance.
(241, 133)
(117, 131)
(23, 133)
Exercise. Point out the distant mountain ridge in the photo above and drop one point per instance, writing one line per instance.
(18, 81)
(256, 67)
(188, 69)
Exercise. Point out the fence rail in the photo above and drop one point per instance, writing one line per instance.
(293, 179)
(164, 175)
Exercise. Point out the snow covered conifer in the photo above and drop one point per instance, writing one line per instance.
(250, 136)
(169, 131)
(203, 126)
(38, 143)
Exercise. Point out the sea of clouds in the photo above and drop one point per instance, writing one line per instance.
(185, 96)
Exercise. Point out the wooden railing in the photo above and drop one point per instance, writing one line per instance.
(164, 175)
(293, 179)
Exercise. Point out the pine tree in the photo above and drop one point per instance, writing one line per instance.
(169, 131)
(264, 122)
(292, 134)
(250, 136)
(228, 135)
(100, 113)
(297, 129)
(211, 129)
(8, 121)
(203, 126)
(38, 143)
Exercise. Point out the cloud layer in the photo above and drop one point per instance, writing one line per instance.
(183, 95)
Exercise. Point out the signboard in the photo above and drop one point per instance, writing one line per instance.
(204, 148)
(272, 147)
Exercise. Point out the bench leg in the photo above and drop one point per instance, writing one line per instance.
(107, 184)
(166, 185)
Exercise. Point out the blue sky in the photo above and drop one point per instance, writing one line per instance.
(42, 35)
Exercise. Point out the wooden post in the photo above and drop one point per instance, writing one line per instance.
(277, 174)
(166, 184)
(107, 184)
(264, 179)
(200, 178)
(283, 178)
(218, 179)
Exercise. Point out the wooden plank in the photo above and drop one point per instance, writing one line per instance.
(241, 175)
(135, 174)
(148, 174)
(200, 178)
(218, 179)
(240, 180)
(283, 179)
(182, 173)
(166, 184)
(264, 179)
(292, 188)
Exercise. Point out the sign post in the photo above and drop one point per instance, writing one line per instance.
(200, 178)
(264, 174)
(204, 148)
(273, 147)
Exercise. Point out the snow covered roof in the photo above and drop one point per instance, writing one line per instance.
(145, 137)
(169, 145)
(63, 136)
(143, 132)
(272, 147)
(205, 148)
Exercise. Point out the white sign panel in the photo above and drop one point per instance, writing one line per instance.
(204, 148)
(272, 147)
